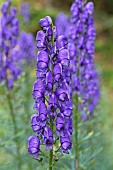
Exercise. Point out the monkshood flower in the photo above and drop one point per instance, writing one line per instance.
(62, 24)
(27, 47)
(81, 34)
(51, 91)
(9, 52)
(33, 145)
(25, 12)
(81, 48)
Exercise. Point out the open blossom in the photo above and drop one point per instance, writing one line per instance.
(81, 35)
(9, 53)
(33, 145)
(51, 90)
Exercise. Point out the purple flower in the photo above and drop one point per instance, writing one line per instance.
(27, 48)
(81, 35)
(40, 39)
(90, 7)
(38, 89)
(61, 42)
(5, 7)
(10, 53)
(53, 105)
(51, 90)
(63, 56)
(25, 12)
(62, 23)
(45, 22)
(49, 81)
(48, 138)
(33, 146)
(65, 142)
(35, 123)
(43, 60)
(58, 71)
(81, 49)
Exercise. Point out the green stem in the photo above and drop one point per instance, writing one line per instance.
(50, 160)
(91, 141)
(76, 134)
(15, 129)
(51, 151)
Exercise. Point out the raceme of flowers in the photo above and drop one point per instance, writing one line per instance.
(52, 93)
(9, 53)
(27, 47)
(25, 12)
(81, 36)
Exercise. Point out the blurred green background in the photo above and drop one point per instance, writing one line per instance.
(103, 60)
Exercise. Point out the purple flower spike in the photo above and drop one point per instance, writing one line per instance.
(52, 89)
(25, 12)
(9, 31)
(33, 146)
(27, 46)
(80, 35)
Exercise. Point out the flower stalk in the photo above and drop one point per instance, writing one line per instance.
(76, 134)
(12, 115)
(52, 94)
(51, 151)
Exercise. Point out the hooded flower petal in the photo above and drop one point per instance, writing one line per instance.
(33, 146)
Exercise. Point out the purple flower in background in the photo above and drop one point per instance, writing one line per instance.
(80, 32)
(62, 24)
(51, 90)
(25, 12)
(9, 51)
(27, 47)
(81, 47)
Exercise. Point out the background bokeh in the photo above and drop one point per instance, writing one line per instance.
(104, 63)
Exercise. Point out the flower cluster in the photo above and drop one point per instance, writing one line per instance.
(51, 92)
(9, 53)
(80, 32)
(81, 47)
(25, 12)
(27, 47)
